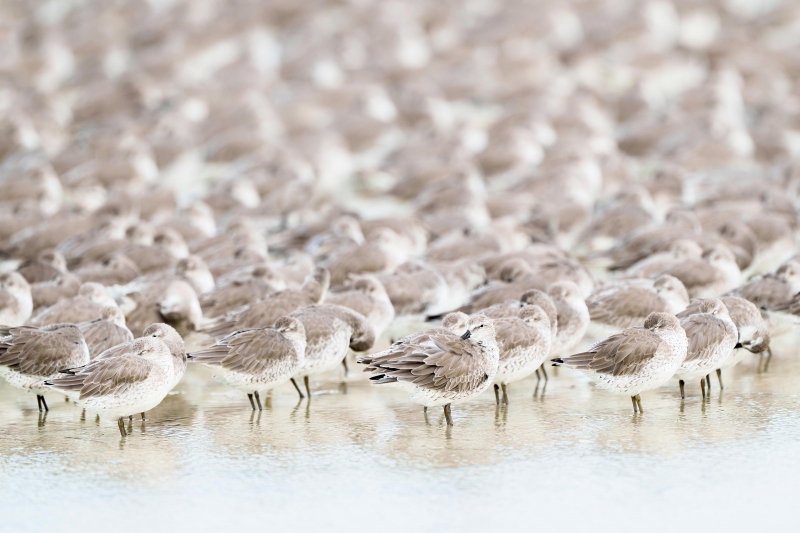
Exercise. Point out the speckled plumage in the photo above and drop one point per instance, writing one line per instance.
(330, 331)
(524, 343)
(257, 360)
(29, 355)
(635, 360)
(440, 368)
(712, 337)
(133, 381)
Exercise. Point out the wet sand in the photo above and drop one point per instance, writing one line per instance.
(363, 458)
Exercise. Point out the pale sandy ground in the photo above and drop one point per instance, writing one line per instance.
(362, 458)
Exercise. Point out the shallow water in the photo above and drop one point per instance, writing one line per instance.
(361, 457)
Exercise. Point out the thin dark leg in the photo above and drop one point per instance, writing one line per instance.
(258, 400)
(708, 383)
(703, 387)
(252, 403)
(297, 388)
(424, 408)
(719, 377)
(39, 402)
(682, 383)
(639, 403)
(308, 389)
(633, 401)
(44, 403)
(447, 415)
(505, 393)
(121, 425)
(769, 358)
(142, 416)
(344, 364)
(130, 418)
(544, 372)
(538, 377)
(497, 393)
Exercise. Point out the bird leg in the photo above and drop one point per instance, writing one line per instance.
(39, 402)
(639, 403)
(769, 358)
(121, 426)
(44, 403)
(719, 377)
(142, 417)
(130, 418)
(308, 389)
(633, 401)
(258, 400)
(703, 387)
(447, 415)
(344, 364)
(544, 372)
(505, 393)
(252, 403)
(682, 383)
(424, 408)
(538, 377)
(497, 393)
(708, 383)
(298, 389)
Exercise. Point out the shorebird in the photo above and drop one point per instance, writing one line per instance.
(524, 343)
(266, 312)
(379, 255)
(709, 277)
(255, 361)
(366, 295)
(511, 308)
(165, 333)
(625, 306)
(712, 337)
(415, 288)
(16, 302)
(173, 301)
(330, 330)
(636, 360)
(679, 224)
(440, 368)
(135, 380)
(753, 332)
(774, 290)
(659, 262)
(224, 298)
(48, 293)
(86, 306)
(29, 356)
(105, 332)
(117, 269)
(47, 266)
(573, 316)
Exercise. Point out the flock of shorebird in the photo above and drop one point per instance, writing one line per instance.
(463, 195)
(100, 316)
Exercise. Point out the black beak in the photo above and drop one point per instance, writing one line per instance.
(466, 335)
(738, 345)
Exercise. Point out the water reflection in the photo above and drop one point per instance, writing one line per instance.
(206, 437)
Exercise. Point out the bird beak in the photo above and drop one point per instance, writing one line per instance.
(466, 335)
(738, 345)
